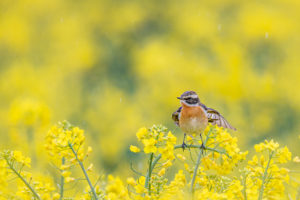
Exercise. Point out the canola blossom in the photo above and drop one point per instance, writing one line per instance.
(218, 169)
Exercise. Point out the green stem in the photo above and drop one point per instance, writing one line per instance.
(188, 146)
(155, 161)
(245, 188)
(196, 169)
(261, 191)
(199, 146)
(148, 177)
(199, 159)
(62, 181)
(24, 181)
(84, 171)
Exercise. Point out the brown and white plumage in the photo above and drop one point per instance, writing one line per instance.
(175, 116)
(190, 102)
(214, 117)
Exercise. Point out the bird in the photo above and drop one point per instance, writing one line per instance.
(193, 116)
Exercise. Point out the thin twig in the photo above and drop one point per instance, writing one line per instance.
(196, 169)
(261, 191)
(24, 181)
(155, 161)
(199, 146)
(191, 155)
(98, 179)
(135, 171)
(84, 171)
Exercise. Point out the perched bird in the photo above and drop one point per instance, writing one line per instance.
(193, 116)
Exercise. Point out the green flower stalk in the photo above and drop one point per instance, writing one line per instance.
(84, 172)
(15, 162)
(261, 191)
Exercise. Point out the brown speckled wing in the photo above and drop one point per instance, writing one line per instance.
(176, 115)
(214, 117)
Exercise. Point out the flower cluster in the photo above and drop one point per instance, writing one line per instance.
(176, 188)
(60, 137)
(43, 188)
(115, 189)
(11, 165)
(156, 140)
(222, 153)
(263, 177)
(212, 175)
(159, 143)
(65, 144)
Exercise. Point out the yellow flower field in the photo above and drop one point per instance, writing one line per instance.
(83, 83)
(219, 172)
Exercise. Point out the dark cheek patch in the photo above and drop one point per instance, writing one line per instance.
(192, 101)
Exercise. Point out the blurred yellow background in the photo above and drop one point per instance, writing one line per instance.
(111, 67)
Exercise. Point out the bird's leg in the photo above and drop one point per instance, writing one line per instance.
(202, 145)
(183, 142)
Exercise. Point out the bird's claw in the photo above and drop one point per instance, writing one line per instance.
(202, 146)
(183, 146)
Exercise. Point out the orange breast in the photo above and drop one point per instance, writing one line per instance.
(192, 119)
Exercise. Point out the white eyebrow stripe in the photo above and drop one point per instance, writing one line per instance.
(188, 104)
(194, 96)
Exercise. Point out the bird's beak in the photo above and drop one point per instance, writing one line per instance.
(179, 98)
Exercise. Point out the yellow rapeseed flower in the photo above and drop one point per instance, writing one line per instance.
(89, 150)
(142, 132)
(167, 152)
(18, 157)
(131, 181)
(115, 189)
(134, 149)
(66, 173)
(180, 156)
(296, 159)
(90, 167)
(162, 172)
(283, 155)
(171, 138)
(56, 196)
(149, 145)
(167, 164)
(69, 179)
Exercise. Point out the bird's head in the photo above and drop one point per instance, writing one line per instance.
(189, 98)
